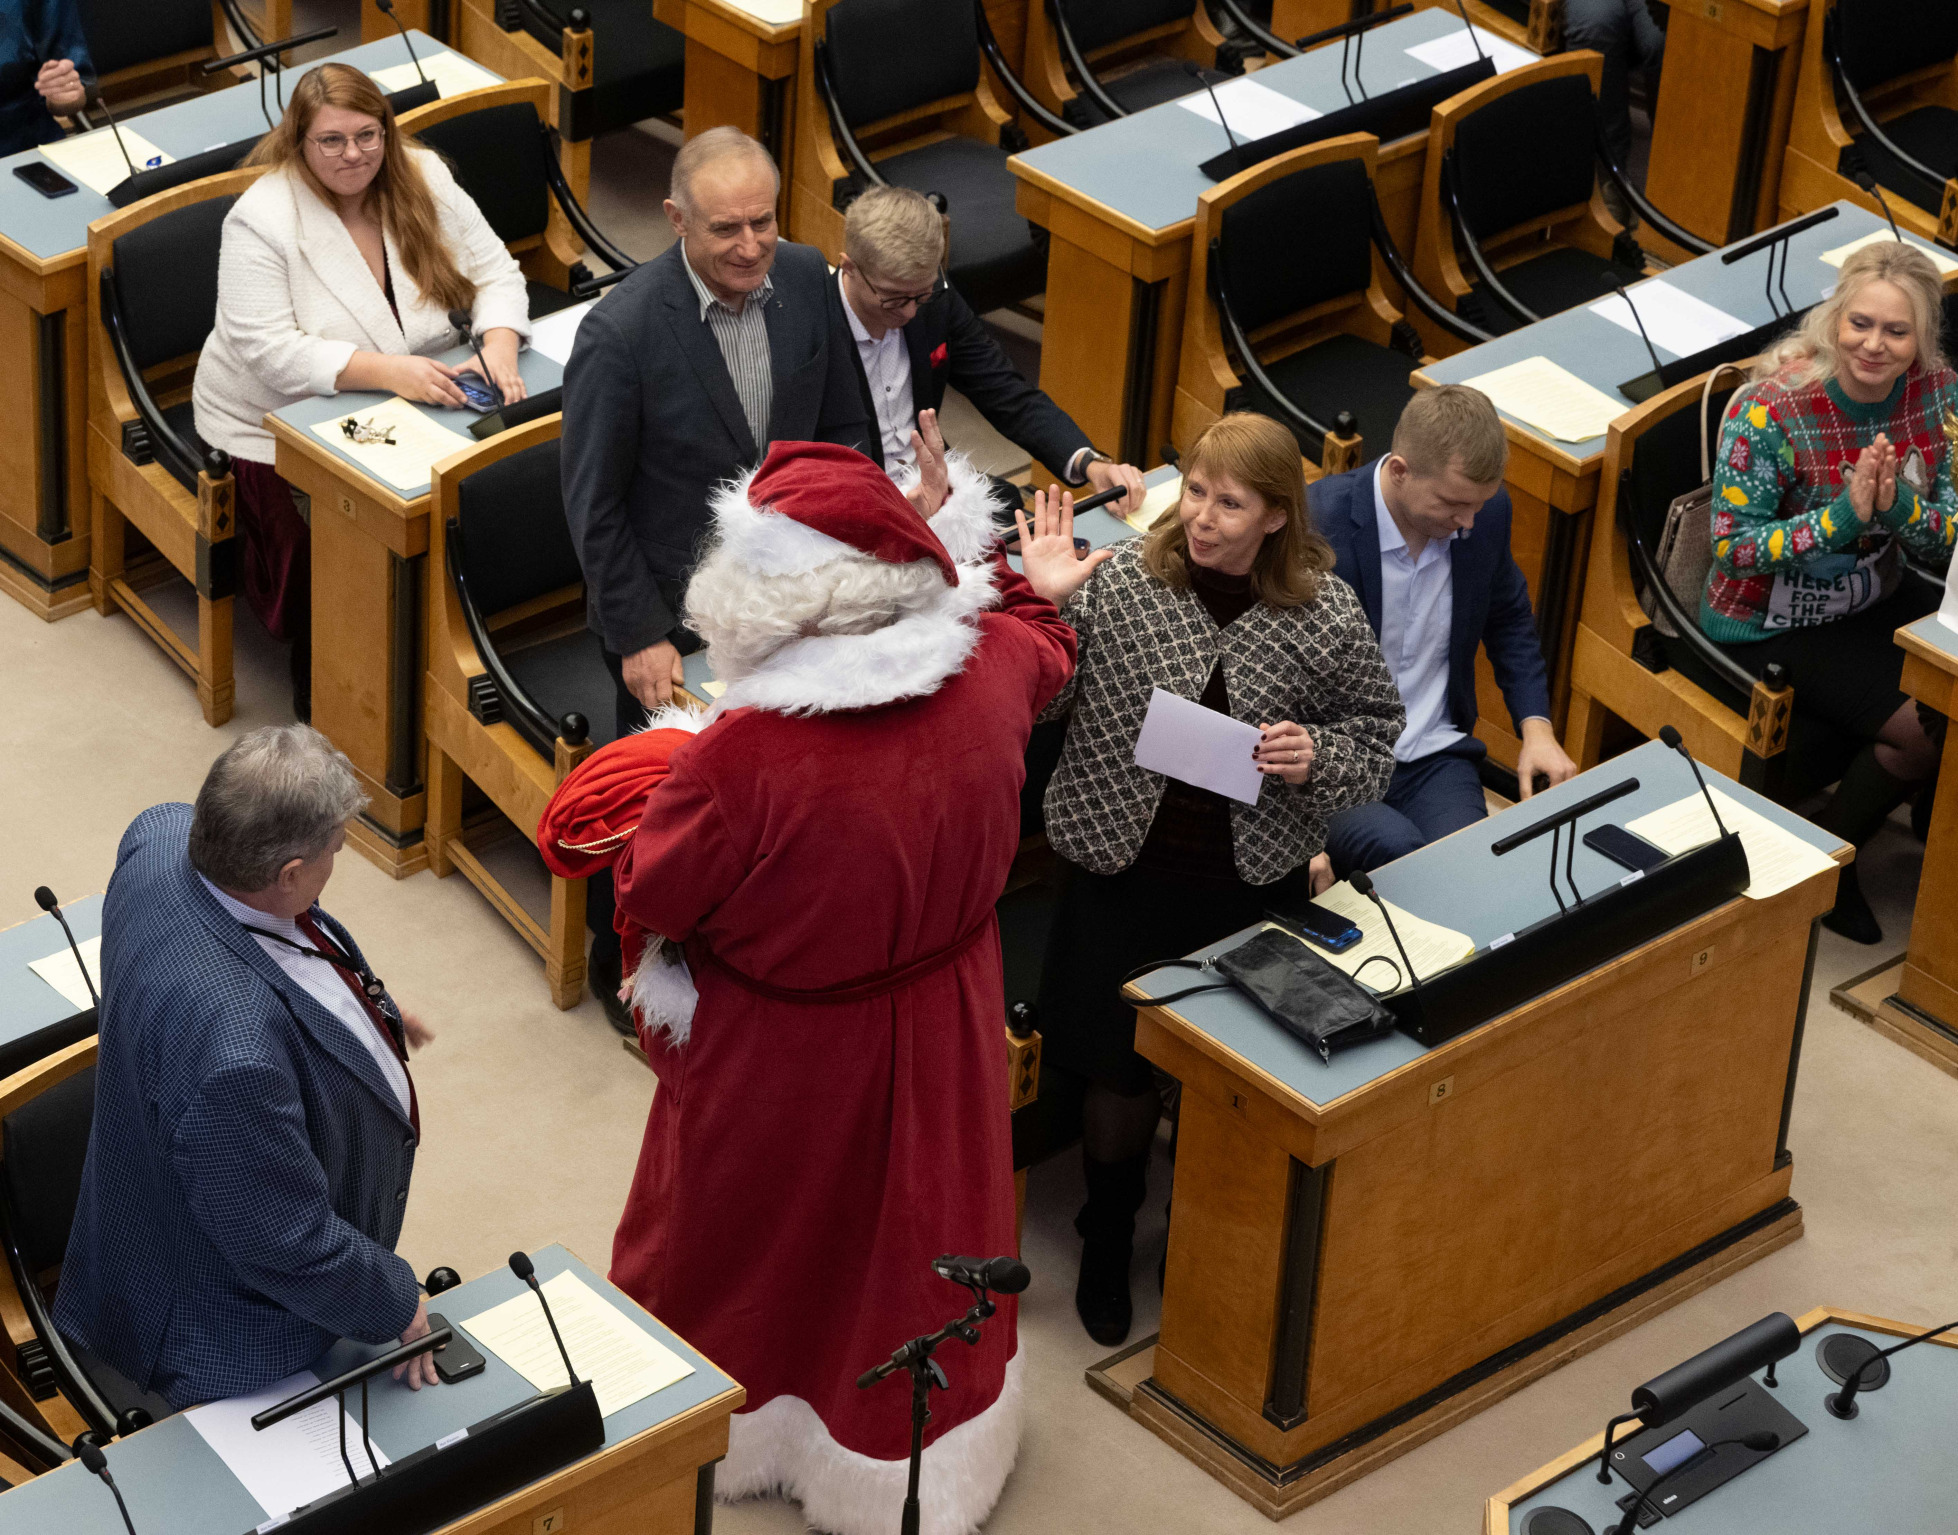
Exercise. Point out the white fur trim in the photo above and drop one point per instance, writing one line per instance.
(765, 541)
(964, 524)
(782, 1447)
(675, 717)
(663, 992)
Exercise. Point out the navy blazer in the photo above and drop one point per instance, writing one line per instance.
(1492, 600)
(248, 1165)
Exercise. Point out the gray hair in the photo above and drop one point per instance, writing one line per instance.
(703, 150)
(745, 617)
(1811, 355)
(276, 794)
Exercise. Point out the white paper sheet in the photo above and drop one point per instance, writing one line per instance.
(290, 1463)
(624, 1362)
(419, 443)
(1945, 265)
(1676, 321)
(1185, 741)
(777, 13)
(1776, 860)
(61, 972)
(451, 72)
(1158, 499)
(1431, 948)
(1948, 609)
(95, 159)
(1251, 110)
(552, 336)
(1539, 393)
(1454, 49)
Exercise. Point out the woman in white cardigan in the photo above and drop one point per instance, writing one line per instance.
(338, 271)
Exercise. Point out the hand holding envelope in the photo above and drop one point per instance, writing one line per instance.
(1199, 746)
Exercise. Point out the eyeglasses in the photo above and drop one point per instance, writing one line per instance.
(901, 300)
(334, 145)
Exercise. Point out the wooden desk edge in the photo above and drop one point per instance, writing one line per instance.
(754, 26)
(42, 266)
(1924, 650)
(302, 441)
(1496, 1514)
(1142, 233)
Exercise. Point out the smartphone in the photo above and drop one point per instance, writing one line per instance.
(457, 1359)
(44, 178)
(477, 391)
(1328, 929)
(1624, 847)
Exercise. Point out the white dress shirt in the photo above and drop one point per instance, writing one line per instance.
(887, 364)
(1417, 609)
(324, 982)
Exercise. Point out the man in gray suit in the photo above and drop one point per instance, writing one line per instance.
(681, 377)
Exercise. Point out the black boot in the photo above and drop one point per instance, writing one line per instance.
(1862, 803)
(300, 663)
(603, 975)
(1107, 1228)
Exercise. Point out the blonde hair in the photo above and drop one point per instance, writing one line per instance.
(1263, 457)
(894, 233)
(398, 194)
(1452, 424)
(1810, 354)
(703, 149)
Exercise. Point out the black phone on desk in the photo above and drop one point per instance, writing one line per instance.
(458, 1359)
(1317, 925)
(478, 391)
(44, 178)
(1626, 848)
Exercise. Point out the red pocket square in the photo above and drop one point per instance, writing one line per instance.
(939, 354)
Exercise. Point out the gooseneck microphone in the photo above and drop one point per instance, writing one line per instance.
(89, 1453)
(44, 898)
(386, 8)
(1191, 69)
(1843, 1403)
(1359, 881)
(1762, 1442)
(93, 98)
(1671, 738)
(459, 318)
(1868, 183)
(1009, 1276)
(1650, 350)
(521, 1266)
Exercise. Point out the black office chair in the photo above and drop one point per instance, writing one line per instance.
(877, 60)
(1127, 34)
(137, 48)
(638, 64)
(1869, 45)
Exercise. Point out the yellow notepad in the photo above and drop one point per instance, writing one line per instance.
(1945, 265)
(405, 463)
(1431, 948)
(451, 74)
(1552, 399)
(623, 1361)
(1161, 498)
(96, 160)
(1777, 860)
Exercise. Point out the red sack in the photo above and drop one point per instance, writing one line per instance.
(597, 809)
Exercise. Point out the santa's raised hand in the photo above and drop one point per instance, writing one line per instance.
(1047, 554)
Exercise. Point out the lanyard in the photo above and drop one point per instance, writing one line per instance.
(369, 982)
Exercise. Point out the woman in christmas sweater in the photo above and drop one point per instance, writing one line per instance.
(1832, 463)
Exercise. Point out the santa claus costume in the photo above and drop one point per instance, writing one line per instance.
(832, 1105)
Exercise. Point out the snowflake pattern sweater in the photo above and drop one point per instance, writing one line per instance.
(1788, 549)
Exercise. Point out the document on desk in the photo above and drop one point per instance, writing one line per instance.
(1452, 50)
(291, 1463)
(1431, 948)
(451, 73)
(623, 1361)
(61, 972)
(1777, 860)
(1195, 745)
(1158, 499)
(1945, 265)
(1537, 392)
(1251, 110)
(96, 159)
(414, 444)
(554, 334)
(776, 13)
(1675, 320)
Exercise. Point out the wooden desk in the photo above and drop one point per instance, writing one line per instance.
(654, 1475)
(1821, 1484)
(370, 589)
(1541, 33)
(741, 64)
(1119, 202)
(1366, 1252)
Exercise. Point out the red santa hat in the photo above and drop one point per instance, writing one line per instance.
(813, 503)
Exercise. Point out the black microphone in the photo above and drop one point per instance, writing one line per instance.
(459, 318)
(1009, 1276)
(1195, 73)
(1359, 881)
(1463, 8)
(94, 99)
(1651, 350)
(44, 898)
(1843, 1403)
(1671, 738)
(90, 1454)
(1762, 1442)
(386, 8)
(521, 1266)
(1868, 183)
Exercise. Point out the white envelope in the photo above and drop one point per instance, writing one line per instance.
(1195, 745)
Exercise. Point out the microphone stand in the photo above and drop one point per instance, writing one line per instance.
(1868, 183)
(1775, 242)
(1842, 1404)
(386, 8)
(44, 898)
(1644, 335)
(1191, 69)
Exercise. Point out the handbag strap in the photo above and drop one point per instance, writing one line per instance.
(1706, 399)
(1175, 996)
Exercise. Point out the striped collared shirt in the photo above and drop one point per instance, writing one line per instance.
(743, 340)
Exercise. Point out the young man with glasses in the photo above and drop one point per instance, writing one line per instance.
(915, 336)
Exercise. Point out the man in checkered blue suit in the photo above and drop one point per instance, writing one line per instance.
(255, 1127)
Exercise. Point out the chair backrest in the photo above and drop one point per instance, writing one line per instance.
(498, 157)
(122, 33)
(1296, 243)
(516, 545)
(167, 279)
(1883, 39)
(1097, 23)
(43, 1145)
(1665, 462)
(1526, 154)
(887, 56)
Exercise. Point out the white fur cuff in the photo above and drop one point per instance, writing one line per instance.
(663, 993)
(964, 524)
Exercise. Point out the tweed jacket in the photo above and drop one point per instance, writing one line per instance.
(248, 1164)
(1317, 665)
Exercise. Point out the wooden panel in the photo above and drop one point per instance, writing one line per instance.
(1930, 979)
(1699, 125)
(1084, 344)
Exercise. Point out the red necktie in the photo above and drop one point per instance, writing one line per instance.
(373, 1011)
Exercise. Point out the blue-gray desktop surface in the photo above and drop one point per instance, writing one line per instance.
(28, 1004)
(175, 1483)
(1934, 633)
(1458, 883)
